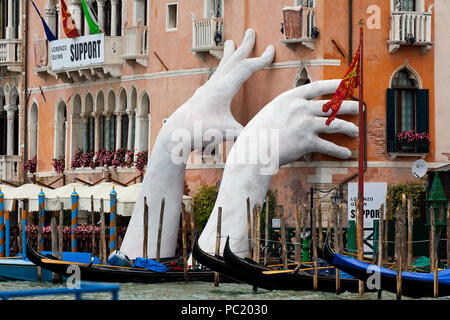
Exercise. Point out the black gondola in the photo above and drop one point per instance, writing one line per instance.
(107, 273)
(414, 284)
(285, 280)
(218, 264)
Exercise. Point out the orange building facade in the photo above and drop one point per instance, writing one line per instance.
(157, 53)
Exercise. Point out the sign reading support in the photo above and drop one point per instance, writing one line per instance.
(77, 52)
(374, 196)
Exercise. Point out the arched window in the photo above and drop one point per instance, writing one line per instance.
(99, 113)
(33, 127)
(302, 77)
(89, 124)
(142, 124)
(407, 111)
(110, 125)
(60, 129)
(131, 111)
(76, 125)
(122, 120)
(13, 122)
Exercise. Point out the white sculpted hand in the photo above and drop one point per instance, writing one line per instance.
(291, 124)
(209, 107)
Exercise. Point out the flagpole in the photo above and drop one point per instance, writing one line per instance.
(361, 136)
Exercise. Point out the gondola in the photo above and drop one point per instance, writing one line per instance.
(285, 279)
(414, 284)
(217, 264)
(107, 273)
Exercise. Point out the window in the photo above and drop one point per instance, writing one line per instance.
(213, 8)
(405, 5)
(171, 16)
(407, 110)
(140, 11)
(307, 3)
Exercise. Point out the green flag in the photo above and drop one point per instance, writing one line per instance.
(92, 25)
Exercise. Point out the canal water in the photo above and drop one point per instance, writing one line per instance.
(195, 291)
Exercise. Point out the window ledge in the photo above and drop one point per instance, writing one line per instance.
(395, 155)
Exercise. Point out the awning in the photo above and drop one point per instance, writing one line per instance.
(27, 191)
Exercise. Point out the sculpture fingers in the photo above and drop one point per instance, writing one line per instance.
(337, 126)
(240, 54)
(331, 149)
(316, 89)
(347, 107)
(228, 50)
(240, 73)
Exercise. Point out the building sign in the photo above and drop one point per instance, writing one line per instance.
(374, 196)
(77, 52)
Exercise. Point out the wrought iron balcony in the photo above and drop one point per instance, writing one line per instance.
(207, 37)
(10, 167)
(110, 68)
(10, 54)
(410, 28)
(135, 44)
(299, 26)
(404, 148)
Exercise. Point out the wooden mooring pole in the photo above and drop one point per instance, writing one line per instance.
(249, 229)
(258, 233)
(297, 244)
(380, 242)
(93, 226)
(161, 218)
(337, 245)
(184, 240)
(398, 252)
(60, 232)
(314, 247)
(283, 237)
(410, 231)
(102, 232)
(433, 253)
(192, 238)
(54, 239)
(266, 234)
(218, 236)
(319, 222)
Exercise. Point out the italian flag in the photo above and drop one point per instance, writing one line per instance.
(93, 25)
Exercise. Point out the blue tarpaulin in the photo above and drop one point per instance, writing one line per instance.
(149, 264)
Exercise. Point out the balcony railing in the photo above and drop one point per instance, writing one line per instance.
(299, 26)
(207, 36)
(112, 66)
(135, 44)
(405, 148)
(10, 53)
(410, 28)
(10, 167)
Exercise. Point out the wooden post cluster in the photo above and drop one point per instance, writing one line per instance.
(283, 237)
(433, 252)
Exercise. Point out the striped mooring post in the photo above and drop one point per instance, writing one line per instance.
(24, 232)
(74, 198)
(112, 220)
(41, 202)
(2, 230)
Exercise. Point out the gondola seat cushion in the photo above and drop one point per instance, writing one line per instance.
(149, 264)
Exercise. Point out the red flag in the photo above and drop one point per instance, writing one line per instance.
(345, 89)
(70, 29)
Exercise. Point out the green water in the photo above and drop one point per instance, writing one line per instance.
(195, 291)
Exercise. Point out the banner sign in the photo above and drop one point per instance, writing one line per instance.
(374, 196)
(77, 52)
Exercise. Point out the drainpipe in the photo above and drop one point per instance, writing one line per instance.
(25, 144)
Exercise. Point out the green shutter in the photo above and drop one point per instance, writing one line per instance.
(422, 115)
(391, 134)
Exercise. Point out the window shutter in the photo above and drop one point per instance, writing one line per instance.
(390, 121)
(422, 115)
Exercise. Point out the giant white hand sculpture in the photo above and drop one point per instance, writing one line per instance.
(283, 131)
(164, 178)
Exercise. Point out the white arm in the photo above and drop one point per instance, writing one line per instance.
(164, 178)
(291, 124)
